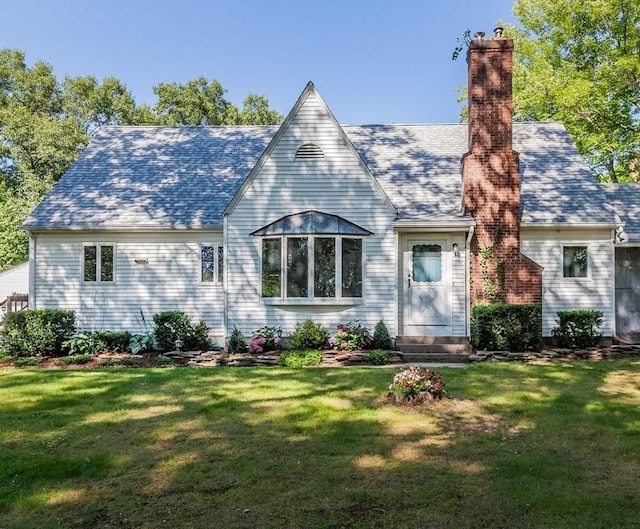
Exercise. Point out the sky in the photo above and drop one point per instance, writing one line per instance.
(373, 61)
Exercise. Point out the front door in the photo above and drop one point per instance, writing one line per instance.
(427, 287)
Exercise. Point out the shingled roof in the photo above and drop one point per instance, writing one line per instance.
(184, 177)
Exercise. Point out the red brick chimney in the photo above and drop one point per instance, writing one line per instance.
(491, 180)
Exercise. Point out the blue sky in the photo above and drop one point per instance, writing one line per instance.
(372, 61)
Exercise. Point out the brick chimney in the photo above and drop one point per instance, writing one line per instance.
(491, 180)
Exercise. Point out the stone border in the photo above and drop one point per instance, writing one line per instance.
(591, 353)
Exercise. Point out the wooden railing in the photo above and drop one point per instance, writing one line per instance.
(15, 303)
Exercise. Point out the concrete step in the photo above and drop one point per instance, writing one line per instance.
(426, 358)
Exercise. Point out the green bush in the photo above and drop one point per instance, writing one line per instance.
(381, 337)
(36, 332)
(174, 331)
(578, 328)
(308, 335)
(237, 342)
(311, 357)
(503, 327)
(74, 359)
(378, 357)
(115, 341)
(84, 343)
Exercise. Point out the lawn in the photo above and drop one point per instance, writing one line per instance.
(517, 446)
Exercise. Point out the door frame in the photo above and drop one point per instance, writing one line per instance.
(406, 254)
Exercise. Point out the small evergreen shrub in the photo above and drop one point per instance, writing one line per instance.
(295, 358)
(504, 327)
(115, 341)
(36, 332)
(237, 342)
(174, 331)
(74, 359)
(308, 335)
(381, 337)
(379, 357)
(352, 336)
(577, 329)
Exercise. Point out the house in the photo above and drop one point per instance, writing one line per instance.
(14, 280)
(410, 224)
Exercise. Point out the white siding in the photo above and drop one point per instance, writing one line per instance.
(336, 185)
(594, 292)
(169, 281)
(15, 280)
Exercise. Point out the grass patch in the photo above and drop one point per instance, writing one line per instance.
(519, 446)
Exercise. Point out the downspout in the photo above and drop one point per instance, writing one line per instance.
(467, 254)
(32, 272)
(225, 279)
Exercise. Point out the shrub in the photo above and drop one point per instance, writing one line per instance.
(381, 337)
(36, 332)
(25, 361)
(351, 337)
(162, 360)
(417, 384)
(115, 341)
(308, 335)
(311, 357)
(265, 339)
(379, 357)
(237, 342)
(143, 342)
(74, 359)
(174, 331)
(578, 328)
(503, 327)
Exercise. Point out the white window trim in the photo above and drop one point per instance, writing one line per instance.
(588, 277)
(216, 265)
(98, 246)
(338, 299)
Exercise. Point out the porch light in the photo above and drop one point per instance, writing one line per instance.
(456, 250)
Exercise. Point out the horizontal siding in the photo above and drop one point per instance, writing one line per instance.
(337, 185)
(561, 293)
(170, 280)
(14, 280)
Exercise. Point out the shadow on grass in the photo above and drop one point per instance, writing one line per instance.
(520, 446)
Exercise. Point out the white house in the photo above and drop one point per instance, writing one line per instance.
(14, 280)
(410, 224)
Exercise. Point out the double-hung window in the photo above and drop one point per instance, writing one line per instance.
(211, 264)
(312, 256)
(575, 261)
(98, 263)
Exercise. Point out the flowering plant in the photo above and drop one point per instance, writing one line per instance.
(352, 336)
(416, 384)
(265, 339)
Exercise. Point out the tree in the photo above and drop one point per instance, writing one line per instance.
(578, 61)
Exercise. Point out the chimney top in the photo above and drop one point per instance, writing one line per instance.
(479, 35)
(497, 32)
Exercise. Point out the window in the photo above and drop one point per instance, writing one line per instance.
(575, 261)
(98, 261)
(311, 269)
(211, 264)
(427, 263)
(312, 256)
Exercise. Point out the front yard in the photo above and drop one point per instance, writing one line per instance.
(554, 445)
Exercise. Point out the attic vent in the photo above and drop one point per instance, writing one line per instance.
(309, 151)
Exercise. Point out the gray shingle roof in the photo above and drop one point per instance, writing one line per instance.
(157, 177)
(625, 200)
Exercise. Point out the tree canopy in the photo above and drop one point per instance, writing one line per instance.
(578, 61)
(45, 122)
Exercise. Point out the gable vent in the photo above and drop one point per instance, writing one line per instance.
(309, 151)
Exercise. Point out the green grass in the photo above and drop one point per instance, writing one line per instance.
(518, 446)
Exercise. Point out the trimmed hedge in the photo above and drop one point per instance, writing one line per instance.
(37, 332)
(578, 328)
(505, 327)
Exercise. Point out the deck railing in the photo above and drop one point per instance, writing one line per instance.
(14, 303)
